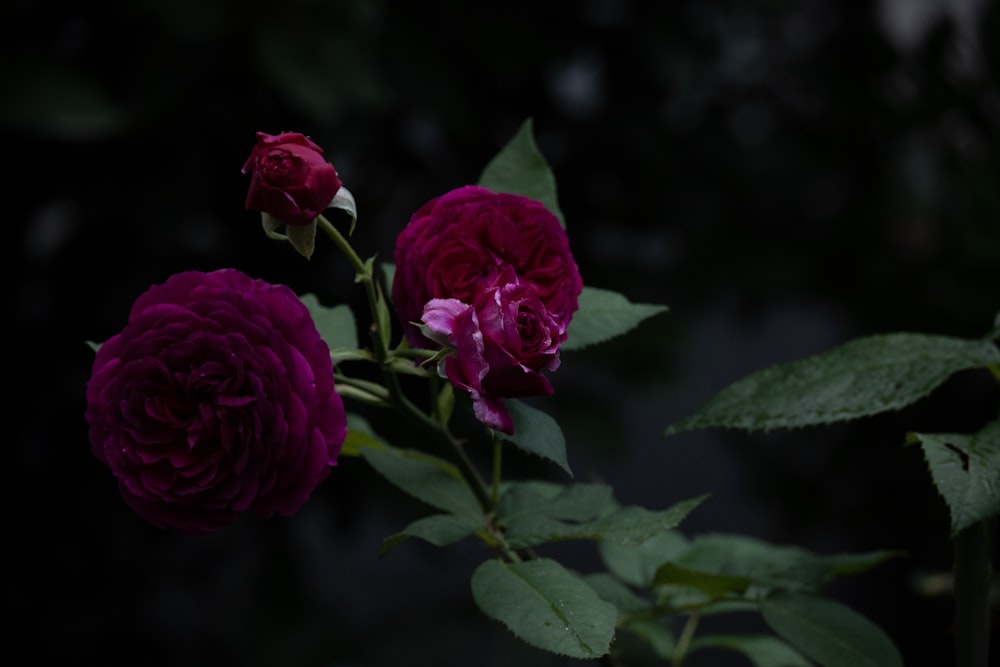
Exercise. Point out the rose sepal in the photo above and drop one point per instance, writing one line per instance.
(302, 237)
(344, 200)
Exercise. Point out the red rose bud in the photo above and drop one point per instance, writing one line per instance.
(290, 179)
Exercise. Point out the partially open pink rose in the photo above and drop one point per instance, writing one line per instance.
(290, 179)
(458, 244)
(217, 398)
(501, 344)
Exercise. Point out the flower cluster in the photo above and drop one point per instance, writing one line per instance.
(491, 276)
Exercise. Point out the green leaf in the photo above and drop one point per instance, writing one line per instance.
(425, 477)
(624, 525)
(575, 502)
(771, 566)
(519, 168)
(438, 529)
(630, 607)
(336, 326)
(712, 585)
(537, 433)
(966, 472)
(761, 650)
(828, 632)
(388, 274)
(863, 377)
(546, 606)
(636, 564)
(604, 315)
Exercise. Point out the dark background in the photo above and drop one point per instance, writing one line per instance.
(784, 175)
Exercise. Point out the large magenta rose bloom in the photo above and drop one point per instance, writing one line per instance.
(491, 276)
(458, 244)
(217, 398)
(290, 179)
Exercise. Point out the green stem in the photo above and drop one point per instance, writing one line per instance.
(497, 467)
(684, 641)
(383, 356)
(972, 576)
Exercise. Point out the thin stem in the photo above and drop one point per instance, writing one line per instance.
(972, 576)
(497, 471)
(684, 641)
(383, 356)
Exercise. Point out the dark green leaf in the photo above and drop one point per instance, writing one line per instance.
(761, 650)
(335, 324)
(966, 472)
(863, 377)
(537, 433)
(636, 564)
(604, 315)
(625, 525)
(712, 585)
(546, 606)
(438, 529)
(425, 477)
(771, 566)
(519, 168)
(828, 632)
(630, 607)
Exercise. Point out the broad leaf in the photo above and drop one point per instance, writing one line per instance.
(336, 326)
(519, 168)
(538, 433)
(425, 477)
(636, 564)
(438, 529)
(634, 613)
(771, 566)
(711, 584)
(623, 525)
(360, 435)
(966, 472)
(828, 632)
(761, 650)
(604, 315)
(863, 377)
(546, 606)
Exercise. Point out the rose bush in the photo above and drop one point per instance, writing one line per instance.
(290, 180)
(217, 398)
(490, 275)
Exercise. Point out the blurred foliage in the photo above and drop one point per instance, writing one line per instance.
(735, 157)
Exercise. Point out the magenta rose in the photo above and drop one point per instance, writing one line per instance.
(217, 398)
(501, 344)
(457, 245)
(290, 179)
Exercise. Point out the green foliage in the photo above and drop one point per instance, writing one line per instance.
(828, 632)
(761, 650)
(426, 478)
(336, 327)
(604, 315)
(438, 529)
(537, 433)
(546, 606)
(520, 168)
(655, 575)
(860, 378)
(966, 472)
(534, 513)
